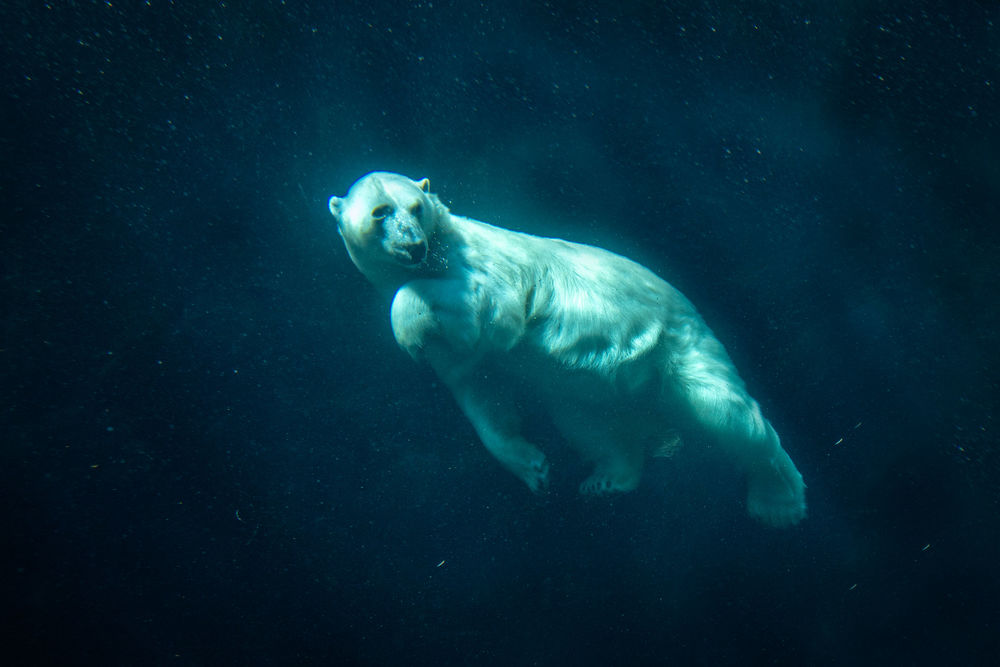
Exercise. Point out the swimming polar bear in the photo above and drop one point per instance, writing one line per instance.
(619, 359)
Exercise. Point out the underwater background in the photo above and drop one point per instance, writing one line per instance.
(213, 452)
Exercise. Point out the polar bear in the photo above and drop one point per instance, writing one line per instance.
(619, 359)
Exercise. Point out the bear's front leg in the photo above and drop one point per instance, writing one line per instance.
(496, 422)
(439, 320)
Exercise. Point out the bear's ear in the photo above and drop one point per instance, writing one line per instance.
(336, 206)
(424, 185)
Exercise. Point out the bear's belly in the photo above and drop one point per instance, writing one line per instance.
(533, 378)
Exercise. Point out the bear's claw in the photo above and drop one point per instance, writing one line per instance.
(599, 485)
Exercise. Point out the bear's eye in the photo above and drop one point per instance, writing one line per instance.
(380, 212)
(416, 209)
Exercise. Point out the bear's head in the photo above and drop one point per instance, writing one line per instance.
(388, 223)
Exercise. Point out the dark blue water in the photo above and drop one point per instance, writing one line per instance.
(214, 453)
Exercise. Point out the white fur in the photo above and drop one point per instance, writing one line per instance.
(620, 359)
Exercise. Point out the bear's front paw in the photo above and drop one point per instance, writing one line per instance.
(536, 475)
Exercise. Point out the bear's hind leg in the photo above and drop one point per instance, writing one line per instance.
(718, 402)
(776, 494)
(775, 490)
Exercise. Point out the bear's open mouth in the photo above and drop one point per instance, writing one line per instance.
(413, 254)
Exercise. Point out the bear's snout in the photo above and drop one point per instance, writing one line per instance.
(405, 239)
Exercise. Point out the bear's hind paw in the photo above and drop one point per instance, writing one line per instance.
(602, 485)
(777, 494)
(779, 514)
